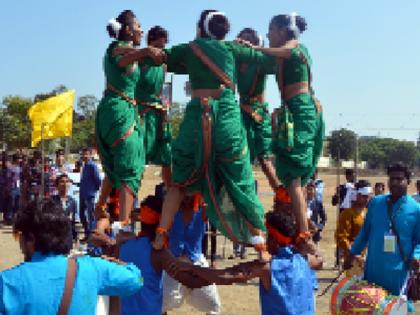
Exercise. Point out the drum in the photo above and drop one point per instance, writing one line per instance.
(393, 306)
(353, 296)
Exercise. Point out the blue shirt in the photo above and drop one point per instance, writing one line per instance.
(382, 268)
(36, 287)
(319, 190)
(291, 290)
(90, 180)
(186, 239)
(147, 301)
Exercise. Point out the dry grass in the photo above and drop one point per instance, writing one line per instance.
(237, 299)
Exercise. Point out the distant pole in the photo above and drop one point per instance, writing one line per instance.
(356, 159)
(337, 253)
(42, 163)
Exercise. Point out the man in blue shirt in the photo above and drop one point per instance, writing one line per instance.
(316, 212)
(385, 265)
(37, 285)
(417, 196)
(90, 182)
(67, 202)
(185, 242)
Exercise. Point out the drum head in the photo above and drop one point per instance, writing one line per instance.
(395, 307)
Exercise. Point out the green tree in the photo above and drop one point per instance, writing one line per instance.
(84, 123)
(57, 90)
(15, 126)
(343, 144)
(176, 114)
(372, 152)
(403, 151)
(381, 152)
(86, 105)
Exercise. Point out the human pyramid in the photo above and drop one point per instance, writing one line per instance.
(211, 157)
(207, 177)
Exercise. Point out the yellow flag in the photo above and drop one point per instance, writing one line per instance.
(54, 116)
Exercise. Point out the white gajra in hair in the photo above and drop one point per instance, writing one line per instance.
(207, 23)
(293, 25)
(260, 41)
(116, 26)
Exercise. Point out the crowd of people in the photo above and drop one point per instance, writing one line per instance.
(207, 185)
(26, 178)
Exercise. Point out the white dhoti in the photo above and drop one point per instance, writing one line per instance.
(205, 299)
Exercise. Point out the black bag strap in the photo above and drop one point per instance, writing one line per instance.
(68, 287)
(394, 230)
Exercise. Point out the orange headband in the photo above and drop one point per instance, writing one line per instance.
(197, 202)
(282, 195)
(148, 215)
(279, 237)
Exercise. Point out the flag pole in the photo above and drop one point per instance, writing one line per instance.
(42, 163)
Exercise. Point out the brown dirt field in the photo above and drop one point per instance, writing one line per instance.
(237, 299)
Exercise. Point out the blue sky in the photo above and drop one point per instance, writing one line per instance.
(366, 53)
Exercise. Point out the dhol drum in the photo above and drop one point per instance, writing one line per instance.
(353, 296)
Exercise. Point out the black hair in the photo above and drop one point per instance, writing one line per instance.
(282, 221)
(16, 157)
(59, 152)
(349, 171)
(160, 190)
(125, 18)
(219, 25)
(250, 35)
(418, 182)
(155, 33)
(362, 183)
(48, 224)
(156, 204)
(59, 177)
(311, 184)
(380, 184)
(87, 149)
(399, 167)
(283, 20)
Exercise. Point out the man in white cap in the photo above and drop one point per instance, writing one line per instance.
(351, 220)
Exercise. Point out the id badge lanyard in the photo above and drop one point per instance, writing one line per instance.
(390, 239)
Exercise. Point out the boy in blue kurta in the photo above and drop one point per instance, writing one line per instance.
(286, 281)
(148, 300)
(37, 285)
(185, 243)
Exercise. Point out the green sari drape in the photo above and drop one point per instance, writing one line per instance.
(118, 133)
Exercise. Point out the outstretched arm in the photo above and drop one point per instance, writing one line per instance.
(130, 55)
(237, 274)
(284, 51)
(179, 270)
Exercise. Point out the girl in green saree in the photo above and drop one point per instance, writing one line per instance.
(298, 125)
(256, 118)
(118, 135)
(210, 154)
(153, 113)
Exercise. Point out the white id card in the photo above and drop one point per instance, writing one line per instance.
(389, 243)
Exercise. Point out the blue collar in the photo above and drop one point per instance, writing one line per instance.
(38, 256)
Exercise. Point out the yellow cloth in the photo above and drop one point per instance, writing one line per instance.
(55, 114)
(349, 224)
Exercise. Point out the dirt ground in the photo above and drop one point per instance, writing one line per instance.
(237, 299)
